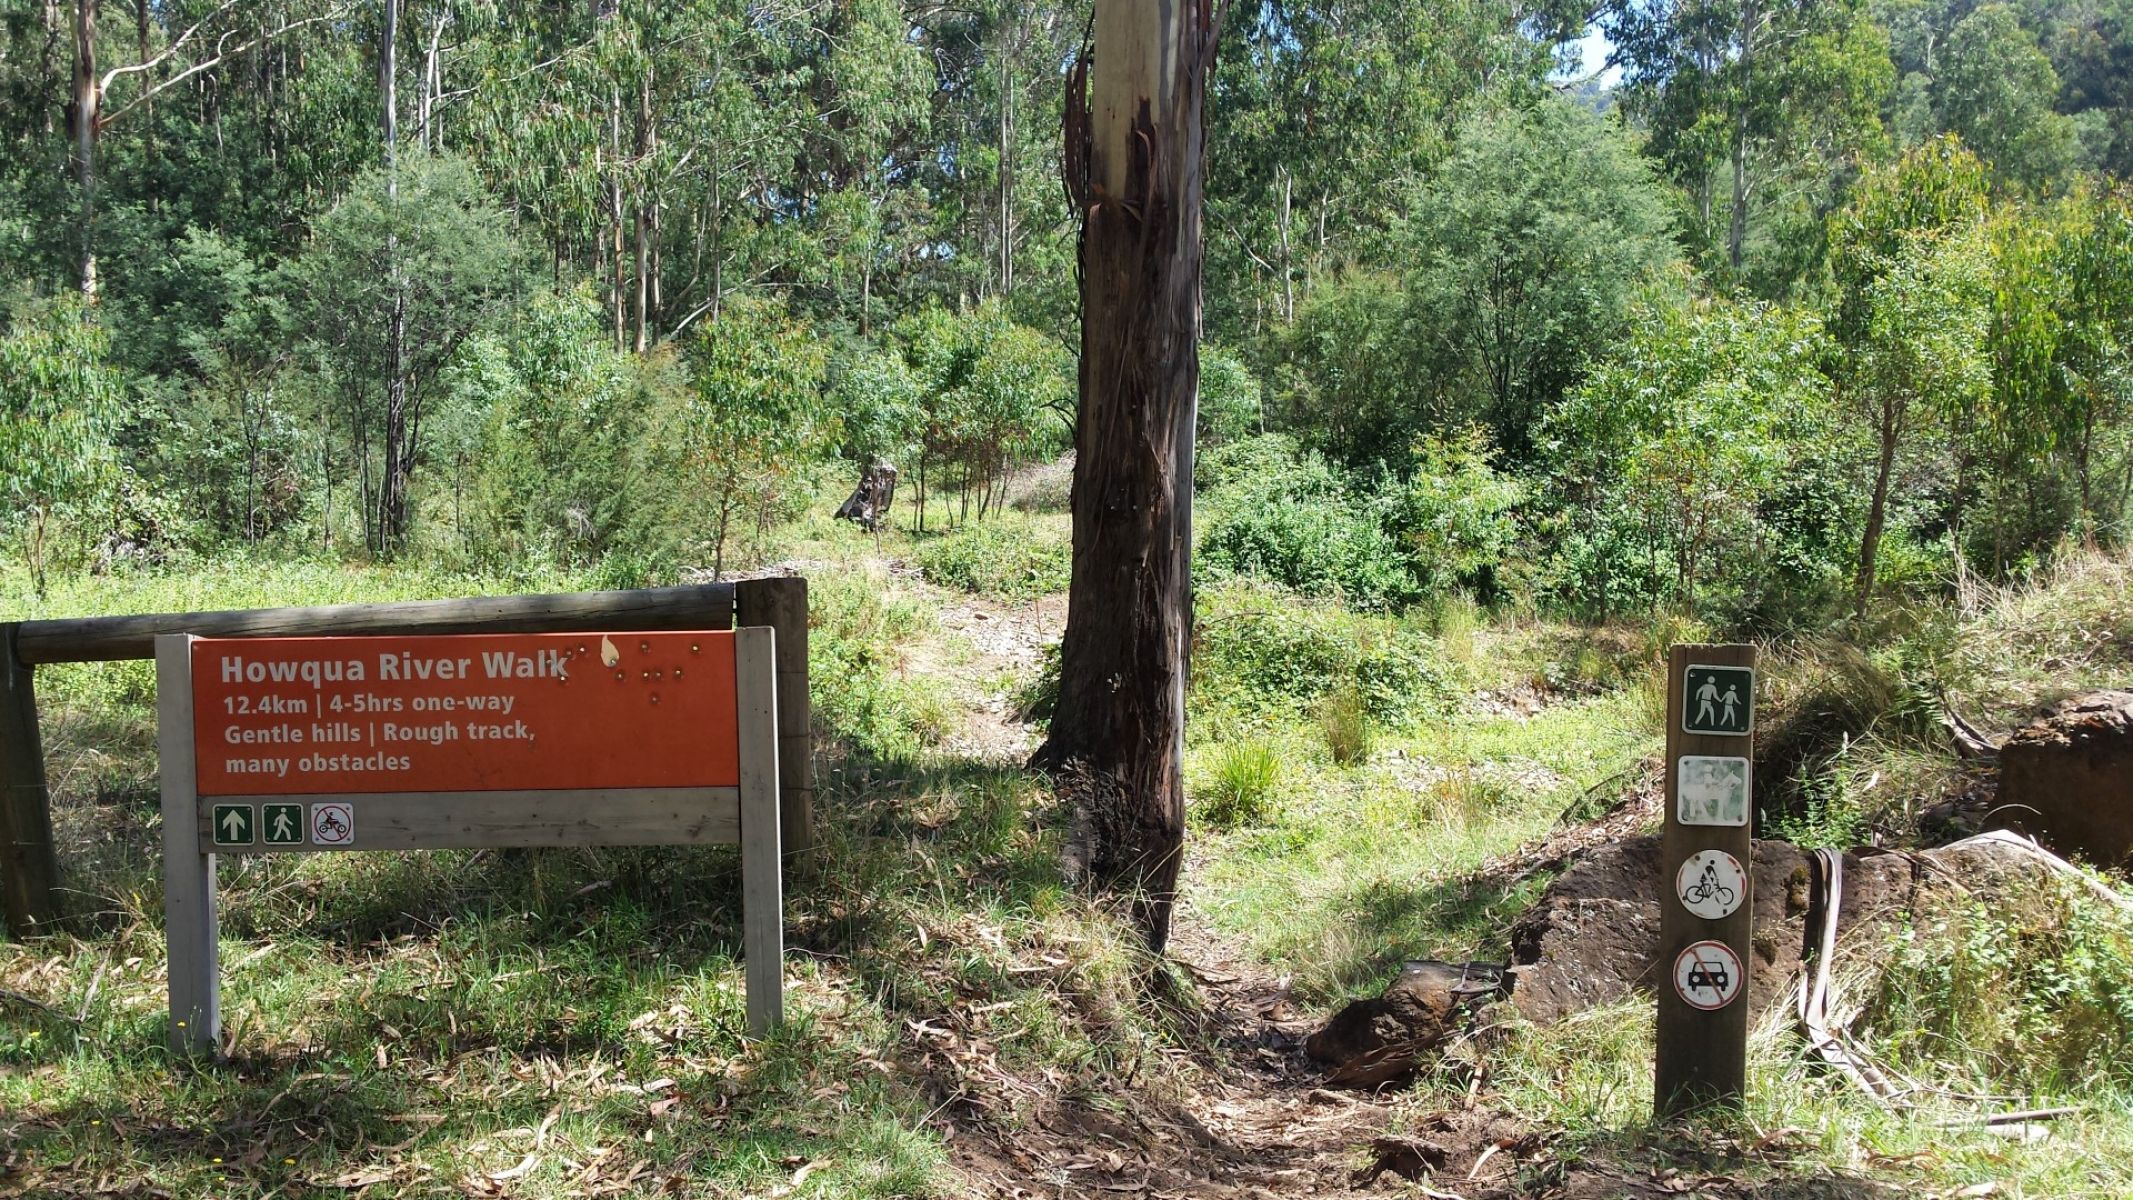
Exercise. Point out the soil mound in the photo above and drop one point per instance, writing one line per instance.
(1593, 936)
(2067, 780)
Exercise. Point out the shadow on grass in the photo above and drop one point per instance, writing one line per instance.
(1657, 1162)
(238, 1120)
(963, 833)
(958, 831)
(1386, 922)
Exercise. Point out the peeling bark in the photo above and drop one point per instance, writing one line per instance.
(1134, 157)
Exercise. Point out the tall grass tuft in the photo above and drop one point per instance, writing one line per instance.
(1345, 721)
(1243, 778)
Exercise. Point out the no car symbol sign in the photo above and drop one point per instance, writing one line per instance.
(1707, 976)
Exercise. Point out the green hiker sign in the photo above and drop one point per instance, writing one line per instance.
(283, 824)
(233, 824)
(1718, 700)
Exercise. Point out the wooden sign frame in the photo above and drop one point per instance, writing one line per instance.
(748, 815)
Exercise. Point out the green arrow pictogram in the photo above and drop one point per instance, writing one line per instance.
(233, 824)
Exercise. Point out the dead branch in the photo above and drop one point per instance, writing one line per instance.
(223, 52)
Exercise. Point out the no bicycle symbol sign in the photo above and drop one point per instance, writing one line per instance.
(1719, 700)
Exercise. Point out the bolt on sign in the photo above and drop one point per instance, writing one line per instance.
(1707, 901)
(306, 745)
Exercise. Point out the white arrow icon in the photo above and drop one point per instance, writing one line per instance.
(233, 824)
(283, 831)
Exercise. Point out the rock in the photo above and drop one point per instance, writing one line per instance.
(1407, 1157)
(1378, 1040)
(1593, 936)
(1589, 939)
(2067, 780)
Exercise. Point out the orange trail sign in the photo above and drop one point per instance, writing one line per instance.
(463, 713)
(427, 742)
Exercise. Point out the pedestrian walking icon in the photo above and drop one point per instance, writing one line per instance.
(283, 824)
(1719, 700)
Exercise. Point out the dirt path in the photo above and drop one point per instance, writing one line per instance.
(1007, 644)
(1240, 1111)
(1242, 1114)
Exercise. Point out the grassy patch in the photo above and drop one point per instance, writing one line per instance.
(1240, 784)
(1972, 1009)
(859, 629)
(1401, 781)
(1360, 867)
(1009, 555)
(1852, 743)
(2030, 994)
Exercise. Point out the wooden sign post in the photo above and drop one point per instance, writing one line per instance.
(296, 745)
(1706, 881)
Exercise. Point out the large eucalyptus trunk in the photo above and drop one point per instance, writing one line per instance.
(1133, 165)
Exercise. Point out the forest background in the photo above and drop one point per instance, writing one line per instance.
(1821, 301)
(1809, 322)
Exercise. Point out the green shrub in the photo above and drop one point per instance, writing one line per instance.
(1453, 513)
(1400, 677)
(859, 696)
(1322, 547)
(547, 425)
(1820, 812)
(1268, 464)
(1277, 654)
(1229, 398)
(1243, 778)
(1260, 650)
(989, 397)
(1288, 517)
(59, 404)
(1375, 542)
(1007, 556)
(2032, 991)
(1700, 466)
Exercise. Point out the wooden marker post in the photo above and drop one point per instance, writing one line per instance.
(29, 866)
(306, 745)
(1706, 880)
